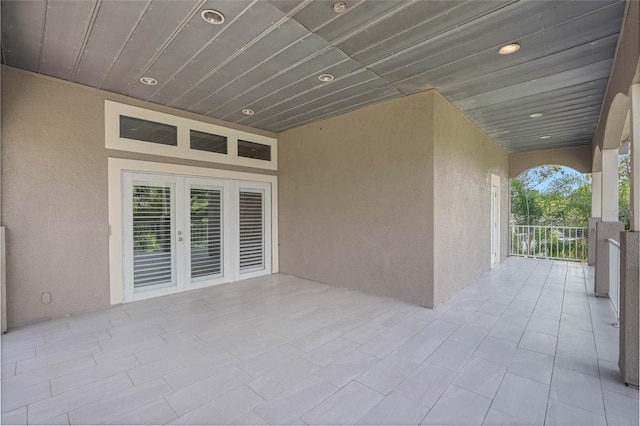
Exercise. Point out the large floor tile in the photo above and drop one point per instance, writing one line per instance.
(282, 378)
(538, 342)
(395, 409)
(452, 355)
(577, 389)
(156, 412)
(387, 374)
(331, 351)
(347, 368)
(416, 349)
(122, 402)
(507, 331)
(532, 365)
(522, 398)
(561, 414)
(426, 384)
(222, 410)
(347, 406)
(458, 407)
(481, 376)
(190, 397)
(295, 402)
(621, 410)
(496, 350)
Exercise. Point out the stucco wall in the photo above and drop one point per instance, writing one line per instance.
(576, 157)
(464, 160)
(356, 200)
(625, 68)
(54, 192)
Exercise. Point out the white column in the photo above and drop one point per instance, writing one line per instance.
(596, 194)
(610, 185)
(635, 157)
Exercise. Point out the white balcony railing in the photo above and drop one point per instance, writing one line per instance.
(614, 276)
(549, 242)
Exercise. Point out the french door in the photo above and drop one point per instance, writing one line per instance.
(183, 232)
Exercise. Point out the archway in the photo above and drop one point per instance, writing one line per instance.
(550, 208)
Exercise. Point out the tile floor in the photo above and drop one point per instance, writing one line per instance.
(526, 343)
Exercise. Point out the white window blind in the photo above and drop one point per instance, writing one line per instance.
(153, 240)
(206, 232)
(251, 216)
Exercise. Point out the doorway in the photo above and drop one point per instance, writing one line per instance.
(183, 232)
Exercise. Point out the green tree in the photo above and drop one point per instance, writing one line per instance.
(624, 190)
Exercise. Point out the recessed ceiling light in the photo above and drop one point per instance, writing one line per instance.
(545, 137)
(536, 115)
(508, 49)
(325, 77)
(248, 111)
(212, 16)
(339, 7)
(149, 81)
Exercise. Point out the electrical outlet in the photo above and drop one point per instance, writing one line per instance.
(46, 298)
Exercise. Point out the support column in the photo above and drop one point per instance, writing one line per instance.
(629, 283)
(609, 189)
(630, 259)
(609, 227)
(604, 231)
(596, 214)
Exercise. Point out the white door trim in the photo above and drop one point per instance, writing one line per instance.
(116, 167)
(495, 221)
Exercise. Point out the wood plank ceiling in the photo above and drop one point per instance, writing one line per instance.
(267, 56)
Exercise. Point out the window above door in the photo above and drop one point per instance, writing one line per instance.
(134, 129)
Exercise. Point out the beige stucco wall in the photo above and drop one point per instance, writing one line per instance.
(464, 159)
(356, 199)
(54, 192)
(576, 157)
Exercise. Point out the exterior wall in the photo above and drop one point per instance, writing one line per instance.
(465, 158)
(625, 68)
(54, 192)
(356, 200)
(578, 158)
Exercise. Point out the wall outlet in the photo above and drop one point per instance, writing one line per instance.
(46, 298)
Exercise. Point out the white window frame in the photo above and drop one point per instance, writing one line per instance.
(113, 111)
(116, 167)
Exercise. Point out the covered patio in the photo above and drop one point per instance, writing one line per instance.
(526, 343)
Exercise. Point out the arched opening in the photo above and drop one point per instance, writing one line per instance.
(550, 208)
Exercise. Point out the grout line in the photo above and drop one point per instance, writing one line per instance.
(556, 351)
(518, 344)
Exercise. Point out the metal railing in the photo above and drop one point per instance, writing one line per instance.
(550, 242)
(614, 276)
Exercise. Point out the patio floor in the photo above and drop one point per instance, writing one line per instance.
(527, 343)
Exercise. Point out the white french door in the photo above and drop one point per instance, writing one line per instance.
(182, 233)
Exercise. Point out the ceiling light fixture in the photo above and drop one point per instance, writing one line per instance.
(339, 7)
(325, 77)
(545, 137)
(248, 111)
(212, 16)
(536, 115)
(149, 81)
(508, 49)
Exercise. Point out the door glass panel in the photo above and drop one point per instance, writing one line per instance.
(251, 213)
(206, 232)
(153, 236)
